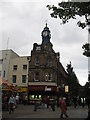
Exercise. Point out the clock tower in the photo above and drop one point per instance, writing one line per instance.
(46, 35)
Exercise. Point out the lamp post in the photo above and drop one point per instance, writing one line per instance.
(28, 58)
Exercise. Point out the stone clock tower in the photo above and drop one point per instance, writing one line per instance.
(46, 35)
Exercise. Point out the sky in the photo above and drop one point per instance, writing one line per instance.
(22, 22)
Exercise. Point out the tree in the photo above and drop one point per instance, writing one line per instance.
(70, 10)
(72, 80)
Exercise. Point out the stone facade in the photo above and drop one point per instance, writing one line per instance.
(8, 60)
(45, 68)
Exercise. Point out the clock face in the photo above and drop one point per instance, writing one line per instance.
(45, 33)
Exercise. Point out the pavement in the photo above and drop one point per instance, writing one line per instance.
(27, 111)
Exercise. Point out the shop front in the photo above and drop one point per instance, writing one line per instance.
(41, 91)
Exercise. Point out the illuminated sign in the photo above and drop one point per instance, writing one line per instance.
(66, 88)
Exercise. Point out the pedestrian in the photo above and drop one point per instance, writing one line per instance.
(11, 104)
(43, 102)
(88, 117)
(48, 102)
(75, 101)
(53, 105)
(63, 107)
(35, 105)
(17, 99)
(83, 102)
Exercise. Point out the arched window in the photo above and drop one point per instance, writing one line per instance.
(36, 76)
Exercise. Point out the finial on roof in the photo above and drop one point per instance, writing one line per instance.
(46, 23)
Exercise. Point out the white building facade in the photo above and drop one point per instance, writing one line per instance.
(14, 68)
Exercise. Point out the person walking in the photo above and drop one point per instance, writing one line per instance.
(75, 101)
(63, 107)
(11, 104)
(53, 105)
(17, 99)
(35, 105)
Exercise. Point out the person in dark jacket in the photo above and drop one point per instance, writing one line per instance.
(53, 105)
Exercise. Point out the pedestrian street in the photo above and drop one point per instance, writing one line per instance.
(27, 111)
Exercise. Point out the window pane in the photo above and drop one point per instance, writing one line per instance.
(4, 73)
(48, 77)
(0, 73)
(49, 63)
(14, 78)
(23, 78)
(37, 76)
(1, 61)
(24, 67)
(15, 67)
(37, 61)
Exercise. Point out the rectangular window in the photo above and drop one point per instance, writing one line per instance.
(36, 77)
(0, 73)
(4, 73)
(1, 61)
(23, 78)
(37, 61)
(14, 77)
(24, 67)
(49, 63)
(48, 77)
(15, 67)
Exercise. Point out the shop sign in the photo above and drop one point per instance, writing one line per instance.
(19, 89)
(36, 88)
(42, 88)
(47, 89)
(66, 89)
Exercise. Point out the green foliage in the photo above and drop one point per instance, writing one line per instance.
(86, 49)
(67, 10)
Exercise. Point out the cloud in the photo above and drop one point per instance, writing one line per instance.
(23, 23)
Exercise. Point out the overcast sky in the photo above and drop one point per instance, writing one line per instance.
(23, 22)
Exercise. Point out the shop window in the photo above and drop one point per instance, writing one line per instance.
(15, 67)
(48, 77)
(14, 77)
(24, 67)
(23, 78)
(36, 78)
